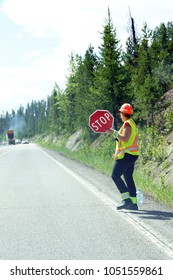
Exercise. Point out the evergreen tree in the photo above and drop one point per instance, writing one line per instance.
(60, 105)
(42, 117)
(70, 92)
(53, 112)
(109, 84)
(146, 89)
(161, 48)
(84, 99)
(31, 119)
(3, 126)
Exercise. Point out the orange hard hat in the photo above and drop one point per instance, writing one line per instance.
(126, 108)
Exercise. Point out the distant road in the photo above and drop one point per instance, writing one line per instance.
(52, 207)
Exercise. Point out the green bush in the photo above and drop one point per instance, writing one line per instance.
(152, 145)
(168, 121)
(108, 148)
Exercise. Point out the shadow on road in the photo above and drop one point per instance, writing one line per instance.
(153, 214)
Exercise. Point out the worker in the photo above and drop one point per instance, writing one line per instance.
(126, 154)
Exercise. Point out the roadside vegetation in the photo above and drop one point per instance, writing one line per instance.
(140, 74)
(99, 155)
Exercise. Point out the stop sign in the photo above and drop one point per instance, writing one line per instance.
(100, 121)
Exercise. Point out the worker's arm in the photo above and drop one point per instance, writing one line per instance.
(123, 137)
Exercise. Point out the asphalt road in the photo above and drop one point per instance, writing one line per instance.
(54, 208)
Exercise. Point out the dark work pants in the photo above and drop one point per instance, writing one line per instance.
(125, 167)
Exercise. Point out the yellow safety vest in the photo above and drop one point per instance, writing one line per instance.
(129, 147)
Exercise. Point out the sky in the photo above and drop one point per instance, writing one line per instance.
(38, 36)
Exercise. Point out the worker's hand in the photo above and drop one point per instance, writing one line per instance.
(110, 131)
(115, 133)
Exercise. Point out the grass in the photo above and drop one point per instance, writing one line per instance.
(161, 193)
(88, 158)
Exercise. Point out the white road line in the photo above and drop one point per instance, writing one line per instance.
(153, 236)
(4, 154)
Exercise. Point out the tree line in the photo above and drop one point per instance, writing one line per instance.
(140, 75)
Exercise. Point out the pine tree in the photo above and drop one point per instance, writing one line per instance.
(146, 89)
(31, 119)
(109, 84)
(70, 92)
(53, 112)
(162, 48)
(84, 99)
(42, 125)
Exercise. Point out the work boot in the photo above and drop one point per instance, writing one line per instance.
(127, 204)
(133, 207)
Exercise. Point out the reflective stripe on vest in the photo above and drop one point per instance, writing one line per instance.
(131, 146)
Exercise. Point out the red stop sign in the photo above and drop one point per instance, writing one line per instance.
(100, 121)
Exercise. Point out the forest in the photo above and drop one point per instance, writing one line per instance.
(139, 74)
